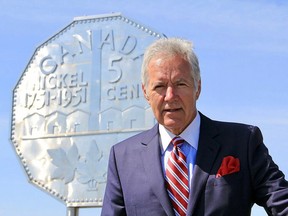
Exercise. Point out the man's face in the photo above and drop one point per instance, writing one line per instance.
(171, 92)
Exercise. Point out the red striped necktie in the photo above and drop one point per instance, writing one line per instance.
(177, 178)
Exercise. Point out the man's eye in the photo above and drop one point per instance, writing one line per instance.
(181, 84)
(158, 86)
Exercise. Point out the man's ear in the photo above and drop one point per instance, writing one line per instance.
(145, 92)
(198, 89)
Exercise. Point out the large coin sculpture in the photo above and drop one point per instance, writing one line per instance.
(80, 94)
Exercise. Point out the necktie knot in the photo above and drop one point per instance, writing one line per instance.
(177, 141)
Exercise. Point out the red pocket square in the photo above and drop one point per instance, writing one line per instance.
(229, 165)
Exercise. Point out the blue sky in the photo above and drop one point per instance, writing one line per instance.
(242, 48)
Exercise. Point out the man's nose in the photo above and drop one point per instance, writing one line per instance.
(170, 93)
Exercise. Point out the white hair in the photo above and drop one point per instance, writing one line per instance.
(171, 47)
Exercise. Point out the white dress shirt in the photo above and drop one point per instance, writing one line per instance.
(189, 148)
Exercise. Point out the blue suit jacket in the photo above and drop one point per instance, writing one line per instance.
(136, 184)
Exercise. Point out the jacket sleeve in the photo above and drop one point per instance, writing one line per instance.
(113, 203)
(269, 184)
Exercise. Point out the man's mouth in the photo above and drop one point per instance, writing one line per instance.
(171, 110)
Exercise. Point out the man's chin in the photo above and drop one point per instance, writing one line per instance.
(174, 126)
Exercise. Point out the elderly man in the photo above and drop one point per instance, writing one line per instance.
(188, 164)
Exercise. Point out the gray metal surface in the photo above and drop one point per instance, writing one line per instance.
(80, 94)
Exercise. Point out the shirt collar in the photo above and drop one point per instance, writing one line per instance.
(190, 134)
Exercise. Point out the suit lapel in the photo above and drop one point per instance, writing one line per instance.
(151, 157)
(207, 151)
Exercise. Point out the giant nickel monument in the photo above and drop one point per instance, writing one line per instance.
(80, 94)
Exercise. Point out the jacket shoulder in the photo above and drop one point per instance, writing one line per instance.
(226, 126)
(142, 137)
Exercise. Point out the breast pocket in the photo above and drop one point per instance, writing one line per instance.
(228, 180)
(223, 192)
